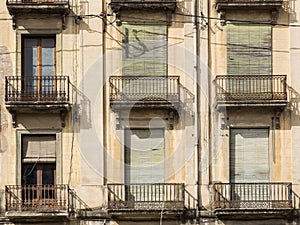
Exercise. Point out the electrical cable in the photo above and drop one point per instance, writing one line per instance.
(102, 16)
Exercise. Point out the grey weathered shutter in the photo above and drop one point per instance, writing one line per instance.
(144, 57)
(249, 163)
(249, 49)
(38, 148)
(144, 48)
(249, 158)
(144, 155)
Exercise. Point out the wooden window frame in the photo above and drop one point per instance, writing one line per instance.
(39, 74)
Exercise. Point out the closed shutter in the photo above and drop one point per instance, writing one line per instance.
(249, 163)
(144, 56)
(144, 49)
(39, 148)
(144, 161)
(144, 156)
(249, 49)
(249, 158)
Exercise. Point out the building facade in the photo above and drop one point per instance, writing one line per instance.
(149, 112)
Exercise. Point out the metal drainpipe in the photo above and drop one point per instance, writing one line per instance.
(104, 106)
(210, 141)
(198, 98)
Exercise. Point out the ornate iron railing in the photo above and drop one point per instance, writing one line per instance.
(252, 195)
(146, 89)
(117, 5)
(223, 4)
(42, 198)
(37, 1)
(250, 1)
(144, 1)
(53, 89)
(146, 196)
(250, 88)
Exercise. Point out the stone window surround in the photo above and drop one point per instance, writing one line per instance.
(57, 132)
(37, 32)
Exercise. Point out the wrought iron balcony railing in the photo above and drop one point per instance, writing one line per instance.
(152, 89)
(146, 197)
(42, 198)
(117, 5)
(37, 2)
(261, 196)
(250, 4)
(38, 6)
(251, 89)
(29, 89)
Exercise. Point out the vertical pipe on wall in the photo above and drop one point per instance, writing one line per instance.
(197, 99)
(210, 117)
(104, 76)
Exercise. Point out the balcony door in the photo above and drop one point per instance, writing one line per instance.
(249, 163)
(38, 72)
(144, 58)
(249, 52)
(144, 164)
(38, 169)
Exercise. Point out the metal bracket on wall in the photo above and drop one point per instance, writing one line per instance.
(274, 16)
(14, 118)
(277, 120)
(63, 114)
(222, 18)
(14, 22)
(63, 21)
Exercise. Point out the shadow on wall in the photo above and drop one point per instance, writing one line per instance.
(294, 104)
(5, 70)
(81, 110)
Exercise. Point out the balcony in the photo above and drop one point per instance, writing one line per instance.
(157, 92)
(60, 7)
(42, 202)
(119, 5)
(256, 200)
(144, 200)
(250, 90)
(248, 4)
(37, 94)
(37, 91)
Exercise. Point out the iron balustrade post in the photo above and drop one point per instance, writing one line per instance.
(68, 88)
(6, 89)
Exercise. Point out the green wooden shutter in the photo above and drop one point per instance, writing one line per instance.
(249, 49)
(144, 49)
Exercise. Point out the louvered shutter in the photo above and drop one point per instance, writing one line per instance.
(144, 48)
(144, 159)
(145, 155)
(249, 49)
(249, 160)
(39, 148)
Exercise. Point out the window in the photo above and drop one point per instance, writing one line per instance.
(249, 49)
(38, 166)
(144, 162)
(144, 57)
(249, 163)
(144, 49)
(38, 66)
